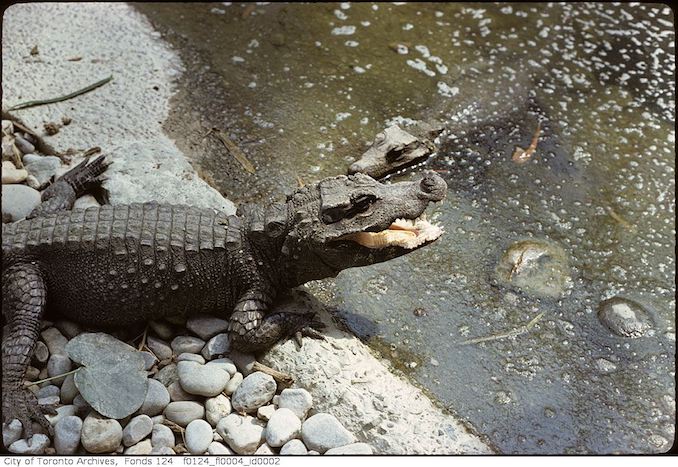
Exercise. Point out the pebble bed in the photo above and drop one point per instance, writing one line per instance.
(201, 397)
(200, 400)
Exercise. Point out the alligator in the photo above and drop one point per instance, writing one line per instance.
(116, 265)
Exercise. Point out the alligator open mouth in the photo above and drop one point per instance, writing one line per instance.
(404, 233)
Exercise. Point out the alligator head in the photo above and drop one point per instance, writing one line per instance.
(395, 148)
(348, 221)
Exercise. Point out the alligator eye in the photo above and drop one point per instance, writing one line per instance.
(362, 204)
(332, 215)
(395, 154)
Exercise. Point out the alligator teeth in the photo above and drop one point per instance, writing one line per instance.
(404, 233)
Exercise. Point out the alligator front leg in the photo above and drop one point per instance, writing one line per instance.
(24, 294)
(253, 330)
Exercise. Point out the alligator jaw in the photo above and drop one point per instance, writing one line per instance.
(404, 233)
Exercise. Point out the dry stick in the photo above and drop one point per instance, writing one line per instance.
(282, 378)
(24, 128)
(513, 333)
(31, 383)
(91, 151)
(24, 105)
(234, 150)
(142, 344)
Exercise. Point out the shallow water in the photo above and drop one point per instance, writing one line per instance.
(302, 89)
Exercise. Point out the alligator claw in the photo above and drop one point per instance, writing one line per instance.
(22, 405)
(309, 328)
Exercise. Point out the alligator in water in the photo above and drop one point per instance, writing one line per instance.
(121, 264)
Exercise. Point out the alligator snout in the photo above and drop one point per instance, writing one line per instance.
(433, 187)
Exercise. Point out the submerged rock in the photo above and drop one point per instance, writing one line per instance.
(624, 317)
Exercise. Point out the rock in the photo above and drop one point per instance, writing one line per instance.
(37, 446)
(313, 453)
(201, 379)
(158, 419)
(255, 390)
(162, 436)
(157, 398)
(162, 451)
(225, 364)
(265, 412)
(149, 360)
(215, 448)
(162, 329)
(177, 393)
(68, 328)
(323, 431)
(7, 127)
(142, 448)
(112, 380)
(13, 176)
(86, 201)
(354, 449)
(11, 432)
(68, 389)
(62, 412)
(137, 429)
(43, 168)
(217, 408)
(167, 375)
(188, 344)
(206, 327)
(32, 373)
(81, 405)
(242, 434)
(49, 390)
(17, 201)
(198, 436)
(56, 342)
(40, 353)
(24, 146)
(624, 317)
(159, 348)
(59, 364)
(100, 435)
(283, 426)
(67, 435)
(298, 400)
(191, 357)
(184, 412)
(536, 266)
(33, 182)
(293, 447)
(243, 361)
(49, 400)
(233, 383)
(264, 450)
(216, 346)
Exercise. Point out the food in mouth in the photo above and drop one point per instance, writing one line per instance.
(404, 233)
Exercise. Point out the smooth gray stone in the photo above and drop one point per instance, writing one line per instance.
(186, 344)
(323, 431)
(177, 393)
(217, 345)
(46, 391)
(350, 450)
(149, 360)
(160, 348)
(244, 362)
(113, 380)
(162, 329)
(216, 448)
(162, 436)
(293, 447)
(68, 389)
(58, 364)
(67, 435)
(201, 379)
(283, 426)
(184, 412)
(225, 364)
(255, 390)
(62, 412)
(18, 201)
(137, 429)
(217, 408)
(40, 353)
(100, 435)
(162, 451)
(22, 145)
(11, 432)
(167, 375)
(264, 450)
(206, 327)
(43, 168)
(191, 357)
(142, 448)
(56, 342)
(242, 434)
(38, 444)
(298, 400)
(233, 383)
(198, 436)
(157, 398)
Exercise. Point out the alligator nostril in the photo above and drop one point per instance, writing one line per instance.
(428, 184)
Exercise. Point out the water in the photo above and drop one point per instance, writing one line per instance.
(302, 89)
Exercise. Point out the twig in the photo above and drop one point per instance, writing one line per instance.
(24, 128)
(31, 383)
(91, 151)
(142, 344)
(282, 378)
(234, 150)
(515, 332)
(24, 105)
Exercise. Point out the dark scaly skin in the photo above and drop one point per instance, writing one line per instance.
(117, 265)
